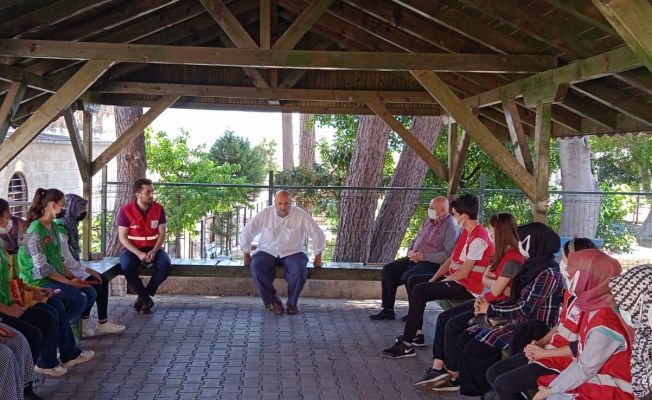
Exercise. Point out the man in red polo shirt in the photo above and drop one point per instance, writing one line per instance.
(141, 229)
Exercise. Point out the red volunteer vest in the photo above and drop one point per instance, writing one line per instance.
(473, 283)
(143, 232)
(510, 255)
(614, 379)
(567, 332)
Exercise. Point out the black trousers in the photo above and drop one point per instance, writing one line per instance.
(424, 292)
(450, 324)
(398, 272)
(513, 376)
(474, 359)
(36, 323)
(102, 299)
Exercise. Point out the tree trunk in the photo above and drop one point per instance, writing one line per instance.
(399, 205)
(307, 141)
(580, 211)
(131, 166)
(288, 142)
(358, 206)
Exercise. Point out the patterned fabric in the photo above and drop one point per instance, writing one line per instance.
(75, 206)
(539, 300)
(633, 292)
(40, 255)
(13, 239)
(16, 366)
(429, 239)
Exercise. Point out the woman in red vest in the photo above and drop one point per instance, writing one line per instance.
(601, 355)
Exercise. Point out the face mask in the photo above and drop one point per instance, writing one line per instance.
(459, 221)
(61, 213)
(627, 317)
(524, 247)
(432, 214)
(572, 284)
(5, 230)
(82, 216)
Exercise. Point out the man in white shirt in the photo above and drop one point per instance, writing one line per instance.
(283, 229)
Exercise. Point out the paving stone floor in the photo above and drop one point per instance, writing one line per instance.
(196, 347)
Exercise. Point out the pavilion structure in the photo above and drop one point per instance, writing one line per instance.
(509, 72)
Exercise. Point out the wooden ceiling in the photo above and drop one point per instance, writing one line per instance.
(332, 57)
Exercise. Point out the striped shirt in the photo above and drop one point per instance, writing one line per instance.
(540, 300)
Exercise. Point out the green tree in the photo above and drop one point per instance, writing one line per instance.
(236, 150)
(177, 163)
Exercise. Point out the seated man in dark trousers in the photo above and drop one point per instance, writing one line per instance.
(141, 229)
(433, 245)
(459, 277)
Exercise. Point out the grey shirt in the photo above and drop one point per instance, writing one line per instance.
(449, 236)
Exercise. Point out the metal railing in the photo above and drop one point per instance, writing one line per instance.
(618, 218)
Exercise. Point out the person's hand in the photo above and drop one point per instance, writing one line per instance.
(16, 311)
(317, 262)
(45, 291)
(151, 255)
(78, 283)
(433, 279)
(247, 259)
(534, 352)
(5, 333)
(95, 275)
(542, 394)
(507, 291)
(417, 256)
(481, 306)
(142, 256)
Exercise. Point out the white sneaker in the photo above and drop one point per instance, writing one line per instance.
(56, 371)
(109, 327)
(85, 356)
(87, 329)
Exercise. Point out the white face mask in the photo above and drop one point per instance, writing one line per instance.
(649, 317)
(627, 317)
(572, 284)
(524, 247)
(5, 230)
(432, 214)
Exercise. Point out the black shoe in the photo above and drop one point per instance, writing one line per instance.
(418, 340)
(404, 318)
(138, 305)
(400, 350)
(147, 306)
(29, 394)
(433, 377)
(383, 314)
(451, 385)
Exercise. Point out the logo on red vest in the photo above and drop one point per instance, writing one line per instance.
(154, 224)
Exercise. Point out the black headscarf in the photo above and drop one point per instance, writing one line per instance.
(75, 206)
(543, 244)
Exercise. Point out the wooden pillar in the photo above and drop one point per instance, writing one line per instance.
(457, 151)
(542, 129)
(87, 184)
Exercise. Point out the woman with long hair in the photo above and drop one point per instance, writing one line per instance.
(505, 265)
(40, 258)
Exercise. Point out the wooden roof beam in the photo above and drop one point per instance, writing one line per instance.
(302, 24)
(14, 74)
(611, 62)
(611, 97)
(517, 135)
(9, 106)
(641, 79)
(422, 151)
(76, 142)
(482, 63)
(57, 103)
(631, 19)
(130, 134)
(465, 117)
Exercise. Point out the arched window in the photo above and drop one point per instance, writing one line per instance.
(18, 193)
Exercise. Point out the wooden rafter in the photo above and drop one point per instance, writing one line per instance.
(542, 133)
(77, 144)
(9, 106)
(15, 74)
(265, 24)
(611, 97)
(611, 62)
(422, 151)
(130, 134)
(57, 103)
(631, 19)
(464, 116)
(517, 134)
(302, 24)
(334, 60)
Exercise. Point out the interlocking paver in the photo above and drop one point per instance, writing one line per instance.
(194, 347)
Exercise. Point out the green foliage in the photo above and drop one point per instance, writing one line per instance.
(254, 161)
(175, 162)
(619, 160)
(610, 226)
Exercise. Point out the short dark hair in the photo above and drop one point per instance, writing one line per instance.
(577, 244)
(4, 205)
(466, 204)
(138, 185)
